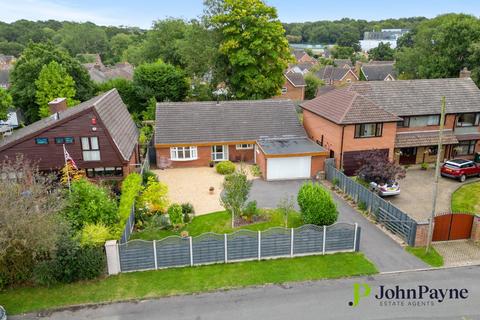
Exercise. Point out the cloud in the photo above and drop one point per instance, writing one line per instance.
(48, 9)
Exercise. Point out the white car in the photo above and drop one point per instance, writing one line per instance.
(391, 188)
(3, 314)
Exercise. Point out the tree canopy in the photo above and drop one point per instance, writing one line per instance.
(5, 103)
(382, 53)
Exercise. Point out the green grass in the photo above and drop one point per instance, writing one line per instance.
(148, 284)
(433, 258)
(220, 222)
(466, 199)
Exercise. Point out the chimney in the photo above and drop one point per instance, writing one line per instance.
(57, 105)
(465, 73)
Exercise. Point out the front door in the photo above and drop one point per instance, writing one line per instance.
(219, 153)
(408, 155)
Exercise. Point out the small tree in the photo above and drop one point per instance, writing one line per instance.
(5, 103)
(69, 171)
(375, 166)
(286, 207)
(155, 196)
(382, 53)
(236, 188)
(316, 205)
(313, 83)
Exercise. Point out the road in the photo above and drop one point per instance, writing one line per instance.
(327, 299)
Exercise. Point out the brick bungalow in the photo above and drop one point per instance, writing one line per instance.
(265, 132)
(99, 134)
(401, 118)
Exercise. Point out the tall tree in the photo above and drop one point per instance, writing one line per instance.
(83, 38)
(27, 70)
(53, 82)
(382, 53)
(5, 103)
(253, 47)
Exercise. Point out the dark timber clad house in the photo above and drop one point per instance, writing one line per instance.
(99, 135)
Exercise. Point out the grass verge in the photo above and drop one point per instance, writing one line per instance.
(220, 222)
(466, 199)
(160, 283)
(432, 258)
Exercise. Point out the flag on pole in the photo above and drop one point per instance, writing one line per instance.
(69, 158)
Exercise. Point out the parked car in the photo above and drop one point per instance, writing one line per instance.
(3, 314)
(391, 188)
(460, 169)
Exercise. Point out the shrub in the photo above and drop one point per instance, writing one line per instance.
(335, 182)
(95, 235)
(187, 209)
(225, 167)
(147, 174)
(155, 196)
(43, 273)
(362, 206)
(250, 209)
(131, 187)
(90, 203)
(175, 214)
(424, 166)
(158, 221)
(255, 170)
(316, 205)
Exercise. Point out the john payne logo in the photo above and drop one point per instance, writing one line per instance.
(421, 295)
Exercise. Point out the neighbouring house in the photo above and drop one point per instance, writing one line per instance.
(336, 76)
(343, 63)
(99, 134)
(378, 72)
(265, 132)
(5, 78)
(302, 67)
(399, 118)
(100, 73)
(6, 60)
(294, 87)
(302, 56)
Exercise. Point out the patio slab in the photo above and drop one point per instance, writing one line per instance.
(459, 252)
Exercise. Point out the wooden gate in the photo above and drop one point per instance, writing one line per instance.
(452, 226)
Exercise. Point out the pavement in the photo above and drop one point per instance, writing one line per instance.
(458, 252)
(381, 249)
(326, 299)
(416, 195)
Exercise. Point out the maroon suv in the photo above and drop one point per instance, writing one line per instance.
(460, 169)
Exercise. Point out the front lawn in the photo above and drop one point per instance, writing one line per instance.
(432, 258)
(220, 222)
(160, 283)
(466, 199)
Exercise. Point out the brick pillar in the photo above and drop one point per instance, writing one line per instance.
(476, 228)
(421, 235)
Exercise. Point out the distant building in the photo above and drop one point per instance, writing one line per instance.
(100, 73)
(371, 39)
(4, 78)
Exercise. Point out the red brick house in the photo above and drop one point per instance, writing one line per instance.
(336, 76)
(294, 87)
(401, 118)
(302, 56)
(265, 132)
(99, 134)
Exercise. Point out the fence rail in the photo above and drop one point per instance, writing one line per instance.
(384, 212)
(208, 248)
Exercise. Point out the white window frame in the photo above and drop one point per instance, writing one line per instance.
(284, 90)
(90, 149)
(176, 151)
(219, 156)
(244, 146)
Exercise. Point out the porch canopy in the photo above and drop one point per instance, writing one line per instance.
(423, 139)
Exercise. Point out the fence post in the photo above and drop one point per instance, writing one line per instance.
(155, 254)
(355, 237)
(324, 238)
(113, 257)
(259, 244)
(291, 242)
(225, 245)
(191, 251)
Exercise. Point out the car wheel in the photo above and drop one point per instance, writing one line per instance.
(463, 178)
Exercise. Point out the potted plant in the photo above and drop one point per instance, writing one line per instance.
(211, 190)
(211, 164)
(424, 166)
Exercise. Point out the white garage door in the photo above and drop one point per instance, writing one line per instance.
(288, 168)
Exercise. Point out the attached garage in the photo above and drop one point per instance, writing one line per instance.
(352, 160)
(289, 158)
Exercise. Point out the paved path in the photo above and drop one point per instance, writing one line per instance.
(458, 252)
(327, 299)
(382, 250)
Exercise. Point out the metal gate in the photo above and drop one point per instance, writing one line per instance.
(452, 226)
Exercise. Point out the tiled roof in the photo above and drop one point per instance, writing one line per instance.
(299, 54)
(99, 73)
(112, 112)
(346, 107)
(225, 121)
(301, 145)
(332, 73)
(296, 79)
(468, 136)
(423, 139)
(343, 63)
(378, 72)
(421, 97)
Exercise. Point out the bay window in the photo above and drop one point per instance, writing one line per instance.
(183, 153)
(366, 130)
(465, 148)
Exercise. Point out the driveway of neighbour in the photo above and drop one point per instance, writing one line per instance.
(458, 252)
(416, 195)
(382, 250)
(193, 184)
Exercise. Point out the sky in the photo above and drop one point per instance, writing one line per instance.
(141, 13)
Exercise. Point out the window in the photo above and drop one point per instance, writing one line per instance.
(105, 172)
(90, 148)
(183, 153)
(284, 90)
(219, 153)
(244, 146)
(405, 123)
(366, 130)
(433, 150)
(468, 119)
(41, 140)
(423, 121)
(465, 147)
(64, 140)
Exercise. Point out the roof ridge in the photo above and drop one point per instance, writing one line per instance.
(102, 96)
(355, 95)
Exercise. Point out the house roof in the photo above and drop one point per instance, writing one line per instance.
(423, 139)
(111, 111)
(302, 66)
(296, 79)
(421, 97)
(378, 72)
(468, 136)
(299, 54)
(343, 63)
(346, 107)
(332, 73)
(283, 146)
(4, 77)
(99, 73)
(225, 121)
